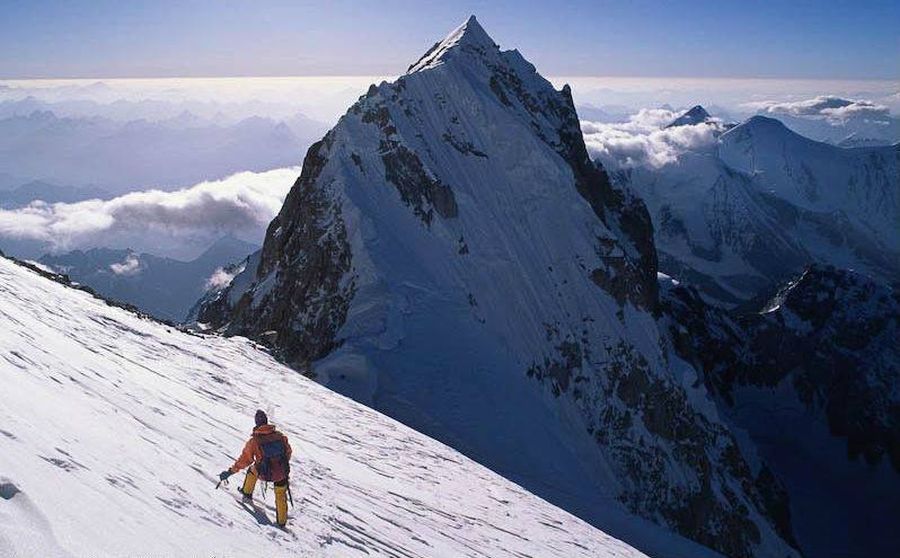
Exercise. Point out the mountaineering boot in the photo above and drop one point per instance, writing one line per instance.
(249, 484)
(281, 504)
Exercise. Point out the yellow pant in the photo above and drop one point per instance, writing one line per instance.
(281, 504)
(280, 495)
(249, 483)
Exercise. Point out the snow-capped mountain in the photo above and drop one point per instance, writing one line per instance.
(451, 256)
(113, 429)
(691, 117)
(744, 215)
(861, 131)
(812, 377)
(162, 287)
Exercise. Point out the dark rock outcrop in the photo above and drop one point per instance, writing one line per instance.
(301, 286)
(816, 367)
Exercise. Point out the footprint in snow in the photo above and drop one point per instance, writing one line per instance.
(8, 490)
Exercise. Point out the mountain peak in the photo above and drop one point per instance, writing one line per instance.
(769, 131)
(760, 121)
(696, 115)
(697, 111)
(468, 36)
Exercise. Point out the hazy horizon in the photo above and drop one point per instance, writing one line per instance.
(324, 98)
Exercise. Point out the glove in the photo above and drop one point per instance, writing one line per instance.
(224, 475)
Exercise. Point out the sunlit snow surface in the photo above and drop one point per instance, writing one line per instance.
(113, 429)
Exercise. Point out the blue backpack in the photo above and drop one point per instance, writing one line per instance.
(274, 464)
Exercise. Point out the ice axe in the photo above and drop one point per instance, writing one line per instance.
(221, 480)
(223, 477)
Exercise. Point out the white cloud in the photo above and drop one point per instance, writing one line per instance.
(220, 278)
(242, 203)
(835, 110)
(644, 141)
(131, 266)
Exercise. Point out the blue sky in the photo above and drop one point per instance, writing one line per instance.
(724, 38)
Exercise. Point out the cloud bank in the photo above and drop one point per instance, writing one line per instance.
(644, 139)
(835, 110)
(241, 204)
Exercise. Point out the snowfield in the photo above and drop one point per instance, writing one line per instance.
(113, 429)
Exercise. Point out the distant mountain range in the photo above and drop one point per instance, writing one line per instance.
(124, 156)
(852, 132)
(693, 116)
(163, 287)
(24, 194)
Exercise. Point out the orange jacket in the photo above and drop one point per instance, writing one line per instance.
(252, 453)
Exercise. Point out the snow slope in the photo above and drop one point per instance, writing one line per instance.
(113, 428)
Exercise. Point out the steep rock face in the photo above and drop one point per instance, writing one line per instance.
(451, 256)
(741, 218)
(813, 378)
(300, 284)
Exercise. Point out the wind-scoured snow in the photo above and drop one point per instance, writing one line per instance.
(113, 429)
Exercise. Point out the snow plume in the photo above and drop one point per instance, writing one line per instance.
(644, 139)
(131, 266)
(241, 204)
(835, 110)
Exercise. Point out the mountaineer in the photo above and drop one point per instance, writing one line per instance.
(268, 454)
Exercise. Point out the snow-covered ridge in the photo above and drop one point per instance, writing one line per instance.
(470, 36)
(862, 183)
(112, 428)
